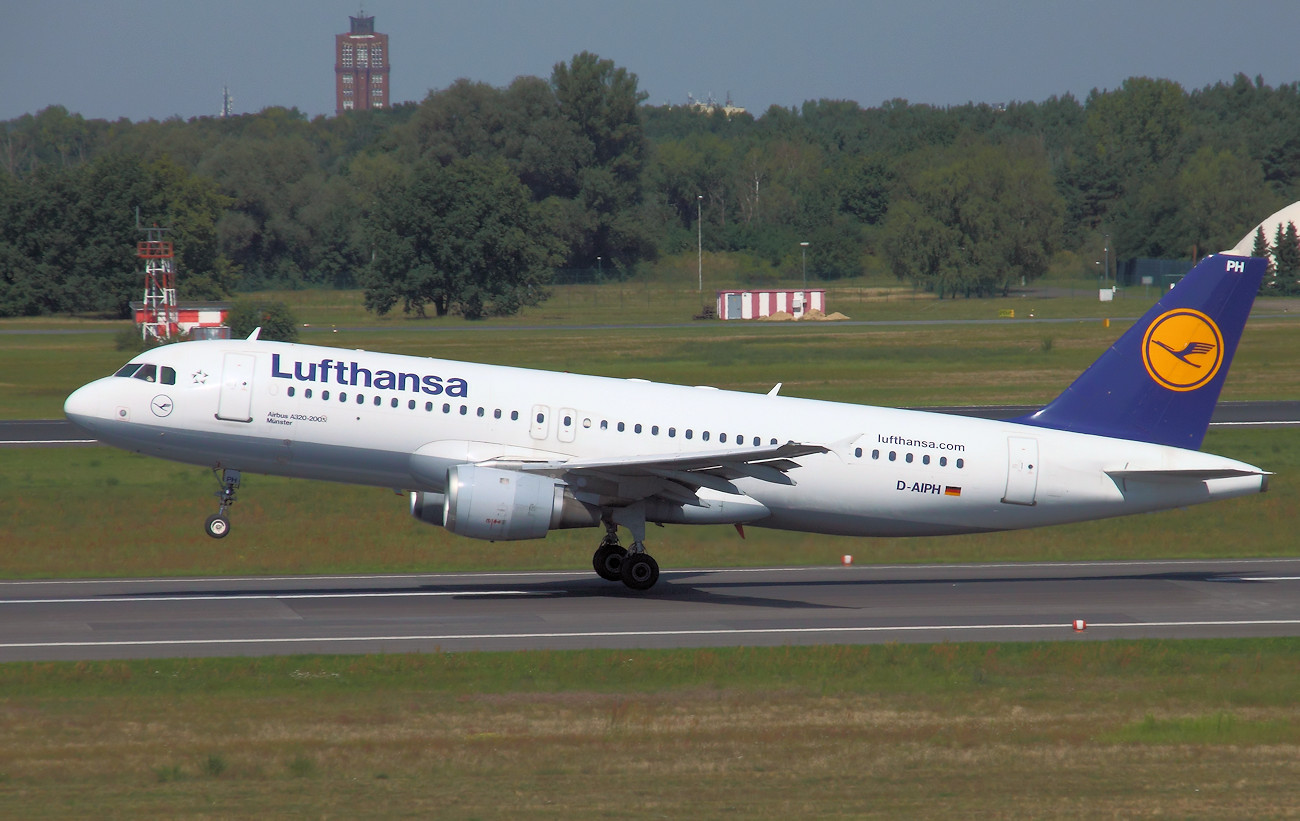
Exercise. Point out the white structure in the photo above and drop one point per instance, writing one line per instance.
(758, 304)
(1289, 214)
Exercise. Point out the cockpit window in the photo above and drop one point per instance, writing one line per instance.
(168, 375)
(149, 373)
(127, 369)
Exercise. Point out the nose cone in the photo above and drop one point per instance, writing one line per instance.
(85, 406)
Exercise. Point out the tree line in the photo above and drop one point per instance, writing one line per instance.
(468, 201)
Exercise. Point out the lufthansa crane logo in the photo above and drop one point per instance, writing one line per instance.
(1182, 350)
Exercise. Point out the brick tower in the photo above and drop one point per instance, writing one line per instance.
(360, 67)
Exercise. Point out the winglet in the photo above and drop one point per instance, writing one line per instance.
(255, 334)
(1160, 382)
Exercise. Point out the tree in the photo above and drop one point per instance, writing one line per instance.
(976, 219)
(463, 238)
(600, 100)
(273, 317)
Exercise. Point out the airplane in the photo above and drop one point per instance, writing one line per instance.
(502, 453)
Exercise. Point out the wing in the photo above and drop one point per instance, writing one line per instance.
(675, 477)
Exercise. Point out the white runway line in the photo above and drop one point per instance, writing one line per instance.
(912, 628)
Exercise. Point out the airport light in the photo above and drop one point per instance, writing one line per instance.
(803, 252)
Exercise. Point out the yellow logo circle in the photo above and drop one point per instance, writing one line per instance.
(1182, 349)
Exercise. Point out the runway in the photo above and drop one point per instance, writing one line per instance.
(105, 619)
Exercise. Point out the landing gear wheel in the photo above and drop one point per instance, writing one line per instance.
(608, 561)
(217, 526)
(640, 571)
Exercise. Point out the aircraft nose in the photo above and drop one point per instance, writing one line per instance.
(85, 406)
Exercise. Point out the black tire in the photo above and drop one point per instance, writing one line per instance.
(608, 561)
(640, 571)
(217, 526)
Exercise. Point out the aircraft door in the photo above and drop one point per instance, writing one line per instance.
(1022, 471)
(236, 401)
(568, 427)
(540, 424)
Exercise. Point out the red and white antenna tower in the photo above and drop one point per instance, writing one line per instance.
(161, 316)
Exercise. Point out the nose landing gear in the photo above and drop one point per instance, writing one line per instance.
(218, 524)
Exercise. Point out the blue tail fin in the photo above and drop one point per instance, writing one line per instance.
(1159, 383)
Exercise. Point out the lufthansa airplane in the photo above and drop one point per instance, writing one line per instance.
(497, 453)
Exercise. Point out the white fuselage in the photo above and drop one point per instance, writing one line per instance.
(401, 422)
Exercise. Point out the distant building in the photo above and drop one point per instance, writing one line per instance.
(360, 67)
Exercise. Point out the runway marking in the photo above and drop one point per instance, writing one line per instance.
(128, 599)
(1262, 578)
(47, 441)
(667, 574)
(778, 631)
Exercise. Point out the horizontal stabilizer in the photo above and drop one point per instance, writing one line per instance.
(1193, 475)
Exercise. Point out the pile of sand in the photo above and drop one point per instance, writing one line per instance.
(814, 316)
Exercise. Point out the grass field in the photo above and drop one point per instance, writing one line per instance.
(1092, 729)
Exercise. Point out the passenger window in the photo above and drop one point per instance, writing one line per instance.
(324, 394)
(689, 433)
(496, 414)
(722, 437)
(480, 413)
(875, 454)
(893, 456)
(168, 375)
(908, 458)
(464, 410)
(409, 405)
(307, 393)
(428, 406)
(514, 416)
(654, 430)
(672, 433)
(925, 460)
(604, 424)
(636, 428)
(621, 427)
(392, 403)
(857, 452)
(290, 391)
(943, 461)
(446, 408)
(343, 397)
(961, 463)
(705, 436)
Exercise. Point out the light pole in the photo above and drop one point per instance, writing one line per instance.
(1107, 272)
(600, 270)
(803, 252)
(699, 237)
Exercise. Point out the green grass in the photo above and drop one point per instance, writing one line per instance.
(1206, 728)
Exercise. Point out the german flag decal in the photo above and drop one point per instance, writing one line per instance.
(949, 490)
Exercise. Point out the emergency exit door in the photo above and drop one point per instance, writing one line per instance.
(1022, 471)
(236, 401)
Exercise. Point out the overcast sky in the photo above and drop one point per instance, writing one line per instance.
(144, 59)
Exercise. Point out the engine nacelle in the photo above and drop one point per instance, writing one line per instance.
(503, 505)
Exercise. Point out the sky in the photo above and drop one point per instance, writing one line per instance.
(154, 59)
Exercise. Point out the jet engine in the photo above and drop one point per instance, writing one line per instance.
(502, 505)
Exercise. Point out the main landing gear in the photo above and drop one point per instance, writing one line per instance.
(633, 567)
(218, 524)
